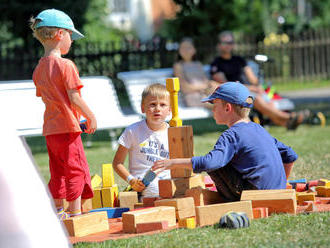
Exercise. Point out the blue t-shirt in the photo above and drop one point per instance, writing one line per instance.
(253, 152)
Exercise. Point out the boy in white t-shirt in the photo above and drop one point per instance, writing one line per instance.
(145, 141)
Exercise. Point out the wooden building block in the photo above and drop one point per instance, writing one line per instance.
(288, 186)
(203, 196)
(155, 214)
(112, 212)
(260, 213)
(86, 205)
(189, 223)
(208, 182)
(184, 207)
(177, 187)
(181, 172)
(107, 175)
(110, 196)
(323, 191)
(151, 226)
(277, 200)
(211, 214)
(96, 181)
(149, 201)
(173, 86)
(86, 224)
(128, 199)
(323, 182)
(97, 199)
(138, 205)
(324, 200)
(311, 207)
(303, 196)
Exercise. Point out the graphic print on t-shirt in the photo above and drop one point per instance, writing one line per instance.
(153, 150)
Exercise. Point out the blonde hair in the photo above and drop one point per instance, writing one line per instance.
(43, 33)
(156, 90)
(241, 111)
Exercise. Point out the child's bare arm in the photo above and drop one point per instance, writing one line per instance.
(166, 164)
(82, 107)
(288, 168)
(118, 165)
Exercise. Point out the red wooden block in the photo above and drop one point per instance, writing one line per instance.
(208, 181)
(300, 187)
(313, 183)
(260, 213)
(324, 200)
(149, 201)
(151, 226)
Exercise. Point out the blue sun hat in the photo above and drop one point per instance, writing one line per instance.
(57, 18)
(233, 92)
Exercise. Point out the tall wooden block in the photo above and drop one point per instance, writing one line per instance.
(86, 224)
(181, 145)
(128, 199)
(97, 199)
(107, 175)
(211, 214)
(155, 214)
(184, 207)
(96, 181)
(177, 187)
(277, 200)
(203, 196)
(110, 196)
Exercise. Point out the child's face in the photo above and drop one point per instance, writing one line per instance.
(156, 110)
(187, 50)
(219, 112)
(66, 41)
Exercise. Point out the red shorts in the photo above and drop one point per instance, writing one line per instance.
(69, 172)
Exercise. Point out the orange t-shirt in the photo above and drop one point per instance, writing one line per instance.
(53, 76)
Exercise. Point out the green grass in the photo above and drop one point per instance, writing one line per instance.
(298, 85)
(310, 142)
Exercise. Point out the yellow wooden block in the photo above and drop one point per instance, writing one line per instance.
(301, 197)
(96, 181)
(110, 196)
(189, 223)
(107, 175)
(173, 86)
(86, 224)
(97, 199)
(323, 182)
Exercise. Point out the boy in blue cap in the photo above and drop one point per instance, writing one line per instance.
(246, 156)
(58, 83)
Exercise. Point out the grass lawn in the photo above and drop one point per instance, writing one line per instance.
(310, 142)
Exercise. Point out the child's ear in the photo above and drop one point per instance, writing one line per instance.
(228, 107)
(59, 34)
(142, 108)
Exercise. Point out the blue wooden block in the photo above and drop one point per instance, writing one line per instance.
(303, 180)
(112, 212)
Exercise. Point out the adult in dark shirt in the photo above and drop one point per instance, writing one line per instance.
(228, 67)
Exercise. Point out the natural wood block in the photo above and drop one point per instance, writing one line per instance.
(324, 200)
(138, 205)
(97, 199)
(107, 175)
(277, 200)
(203, 196)
(301, 197)
(86, 205)
(151, 226)
(323, 191)
(155, 214)
(96, 181)
(189, 223)
(128, 199)
(260, 213)
(181, 172)
(149, 201)
(211, 214)
(86, 224)
(110, 196)
(177, 187)
(184, 207)
(311, 207)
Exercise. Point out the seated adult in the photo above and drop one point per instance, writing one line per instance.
(229, 67)
(194, 82)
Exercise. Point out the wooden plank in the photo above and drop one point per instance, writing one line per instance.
(107, 175)
(97, 199)
(96, 181)
(86, 224)
(177, 187)
(277, 200)
(128, 199)
(203, 196)
(211, 214)
(155, 214)
(110, 196)
(184, 207)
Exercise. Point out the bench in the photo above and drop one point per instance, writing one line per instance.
(136, 81)
(25, 110)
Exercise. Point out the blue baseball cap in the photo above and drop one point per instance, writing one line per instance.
(233, 92)
(57, 18)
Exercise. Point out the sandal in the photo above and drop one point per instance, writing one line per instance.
(297, 118)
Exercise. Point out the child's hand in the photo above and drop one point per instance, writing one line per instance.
(137, 185)
(161, 165)
(91, 125)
